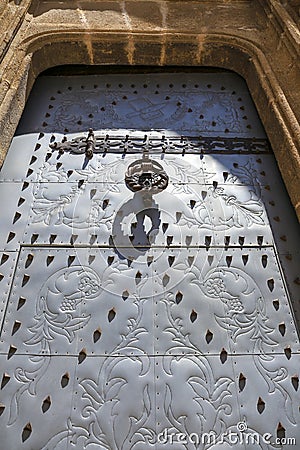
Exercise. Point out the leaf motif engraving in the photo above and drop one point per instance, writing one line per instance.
(54, 208)
(113, 387)
(235, 288)
(72, 285)
(102, 396)
(106, 173)
(45, 209)
(235, 213)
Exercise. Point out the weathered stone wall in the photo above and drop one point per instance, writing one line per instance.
(259, 39)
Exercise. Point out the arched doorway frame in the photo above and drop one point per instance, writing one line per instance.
(34, 60)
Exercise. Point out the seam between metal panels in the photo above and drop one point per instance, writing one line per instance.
(10, 287)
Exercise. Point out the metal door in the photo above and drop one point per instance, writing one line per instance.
(155, 316)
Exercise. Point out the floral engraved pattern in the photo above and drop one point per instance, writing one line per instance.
(46, 209)
(210, 395)
(117, 396)
(246, 316)
(215, 286)
(102, 396)
(56, 315)
(185, 174)
(231, 212)
(52, 207)
(150, 111)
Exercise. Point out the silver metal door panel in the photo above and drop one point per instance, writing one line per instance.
(185, 321)
(94, 211)
(72, 297)
(60, 210)
(17, 163)
(220, 198)
(110, 167)
(215, 292)
(168, 231)
(263, 289)
(184, 383)
(115, 403)
(290, 264)
(221, 291)
(218, 106)
(7, 264)
(269, 399)
(281, 215)
(193, 167)
(42, 163)
(116, 400)
(148, 417)
(77, 213)
(285, 227)
(237, 169)
(118, 405)
(228, 212)
(140, 318)
(75, 207)
(15, 201)
(39, 392)
(36, 159)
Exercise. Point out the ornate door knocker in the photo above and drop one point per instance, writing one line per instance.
(146, 176)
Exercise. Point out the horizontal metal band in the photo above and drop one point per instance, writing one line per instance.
(104, 143)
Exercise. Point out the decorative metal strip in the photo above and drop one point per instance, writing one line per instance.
(103, 143)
